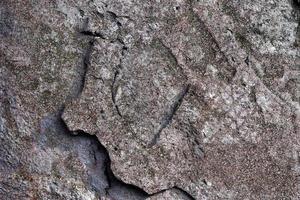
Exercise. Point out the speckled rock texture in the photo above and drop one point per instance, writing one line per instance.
(149, 100)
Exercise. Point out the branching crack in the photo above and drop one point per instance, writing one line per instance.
(167, 119)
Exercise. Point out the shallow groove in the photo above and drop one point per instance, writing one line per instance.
(79, 82)
(114, 89)
(170, 114)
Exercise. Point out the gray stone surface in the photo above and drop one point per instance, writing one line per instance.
(151, 99)
(170, 194)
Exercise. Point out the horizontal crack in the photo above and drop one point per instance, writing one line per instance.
(93, 34)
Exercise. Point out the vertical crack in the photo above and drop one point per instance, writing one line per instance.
(114, 86)
(167, 119)
(296, 8)
(78, 84)
(114, 89)
(253, 98)
(86, 63)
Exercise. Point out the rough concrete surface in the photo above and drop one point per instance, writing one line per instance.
(149, 99)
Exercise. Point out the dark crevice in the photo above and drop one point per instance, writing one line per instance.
(115, 16)
(112, 14)
(167, 119)
(114, 89)
(85, 30)
(296, 9)
(296, 4)
(247, 61)
(253, 98)
(114, 86)
(112, 180)
(194, 133)
(93, 34)
(97, 78)
(86, 64)
(114, 184)
(79, 82)
(116, 189)
(120, 41)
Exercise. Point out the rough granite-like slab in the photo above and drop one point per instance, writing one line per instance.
(183, 99)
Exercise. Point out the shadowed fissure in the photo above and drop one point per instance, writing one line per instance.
(113, 181)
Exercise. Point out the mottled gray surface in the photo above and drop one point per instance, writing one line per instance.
(151, 99)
